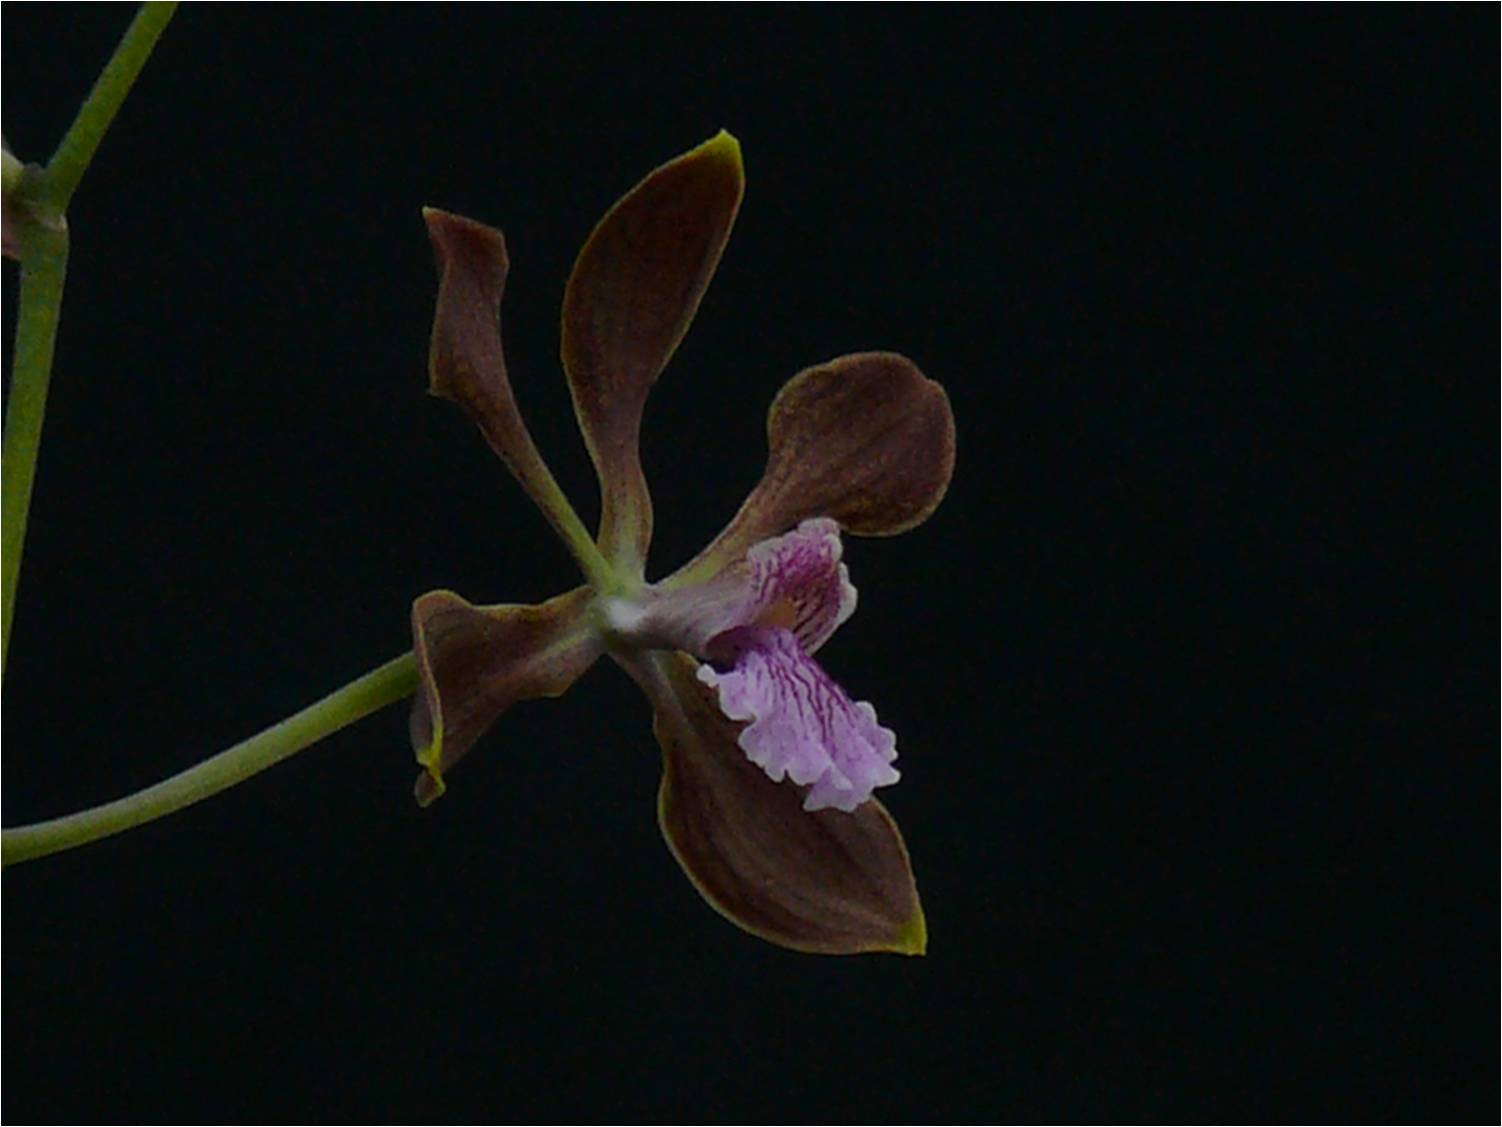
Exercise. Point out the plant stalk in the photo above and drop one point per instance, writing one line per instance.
(37, 202)
(378, 688)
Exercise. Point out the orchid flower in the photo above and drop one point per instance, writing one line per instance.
(769, 766)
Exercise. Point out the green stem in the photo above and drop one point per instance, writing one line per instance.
(37, 201)
(76, 150)
(378, 688)
(43, 269)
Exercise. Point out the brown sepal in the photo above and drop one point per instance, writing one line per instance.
(465, 361)
(824, 882)
(630, 299)
(475, 662)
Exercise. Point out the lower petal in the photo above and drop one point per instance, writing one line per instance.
(826, 882)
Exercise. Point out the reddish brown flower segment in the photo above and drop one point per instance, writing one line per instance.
(768, 764)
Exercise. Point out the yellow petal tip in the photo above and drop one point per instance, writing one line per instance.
(723, 146)
(913, 938)
(430, 785)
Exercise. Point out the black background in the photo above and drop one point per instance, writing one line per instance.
(1193, 672)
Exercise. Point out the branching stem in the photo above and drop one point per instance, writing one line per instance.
(37, 203)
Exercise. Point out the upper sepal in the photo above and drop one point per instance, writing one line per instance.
(475, 662)
(632, 294)
(865, 439)
(824, 882)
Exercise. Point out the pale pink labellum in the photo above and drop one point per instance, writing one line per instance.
(800, 723)
(756, 625)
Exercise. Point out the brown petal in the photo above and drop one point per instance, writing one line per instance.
(466, 364)
(633, 292)
(475, 662)
(824, 882)
(865, 439)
